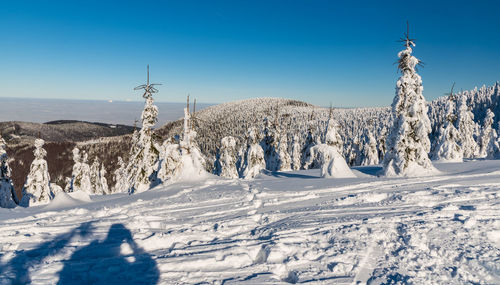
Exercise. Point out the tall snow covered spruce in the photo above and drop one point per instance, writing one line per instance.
(328, 153)
(225, 165)
(447, 148)
(8, 198)
(254, 161)
(296, 155)
(192, 163)
(488, 140)
(36, 189)
(269, 144)
(370, 152)
(408, 143)
(284, 159)
(104, 181)
(98, 182)
(80, 178)
(466, 128)
(142, 172)
(306, 161)
(170, 157)
(120, 177)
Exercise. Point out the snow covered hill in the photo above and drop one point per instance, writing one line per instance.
(283, 227)
(297, 118)
(294, 117)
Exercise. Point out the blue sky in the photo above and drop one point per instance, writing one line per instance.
(341, 52)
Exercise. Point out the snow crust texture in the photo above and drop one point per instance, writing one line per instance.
(283, 228)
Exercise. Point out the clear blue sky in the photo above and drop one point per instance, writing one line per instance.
(219, 51)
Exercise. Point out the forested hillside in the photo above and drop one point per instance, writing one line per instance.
(292, 118)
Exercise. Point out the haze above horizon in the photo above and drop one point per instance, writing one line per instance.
(220, 51)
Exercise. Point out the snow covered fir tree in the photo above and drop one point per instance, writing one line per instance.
(80, 177)
(447, 148)
(296, 155)
(254, 161)
(8, 198)
(170, 157)
(408, 144)
(269, 143)
(370, 151)
(489, 139)
(98, 181)
(466, 128)
(36, 189)
(191, 163)
(225, 165)
(120, 177)
(142, 166)
(307, 160)
(328, 153)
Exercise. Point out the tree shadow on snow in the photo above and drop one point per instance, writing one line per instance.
(279, 174)
(369, 170)
(117, 259)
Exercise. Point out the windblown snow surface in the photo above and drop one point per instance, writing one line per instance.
(285, 227)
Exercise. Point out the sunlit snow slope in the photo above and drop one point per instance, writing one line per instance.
(290, 227)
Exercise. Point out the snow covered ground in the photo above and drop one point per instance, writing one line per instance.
(289, 227)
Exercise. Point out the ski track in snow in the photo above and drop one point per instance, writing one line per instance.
(293, 228)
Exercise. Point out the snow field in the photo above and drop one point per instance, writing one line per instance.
(289, 227)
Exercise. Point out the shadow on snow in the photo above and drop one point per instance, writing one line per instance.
(116, 259)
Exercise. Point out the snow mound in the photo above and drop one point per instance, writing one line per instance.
(338, 168)
(64, 200)
(413, 170)
(81, 196)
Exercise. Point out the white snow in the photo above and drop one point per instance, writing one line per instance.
(64, 200)
(279, 228)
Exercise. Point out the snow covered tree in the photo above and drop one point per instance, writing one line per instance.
(192, 163)
(225, 165)
(36, 189)
(170, 157)
(408, 143)
(284, 159)
(95, 182)
(306, 161)
(120, 177)
(447, 148)
(331, 134)
(8, 198)
(269, 145)
(134, 143)
(381, 143)
(466, 128)
(98, 181)
(489, 144)
(355, 153)
(104, 181)
(67, 184)
(240, 158)
(328, 153)
(370, 152)
(296, 155)
(142, 172)
(80, 177)
(254, 161)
